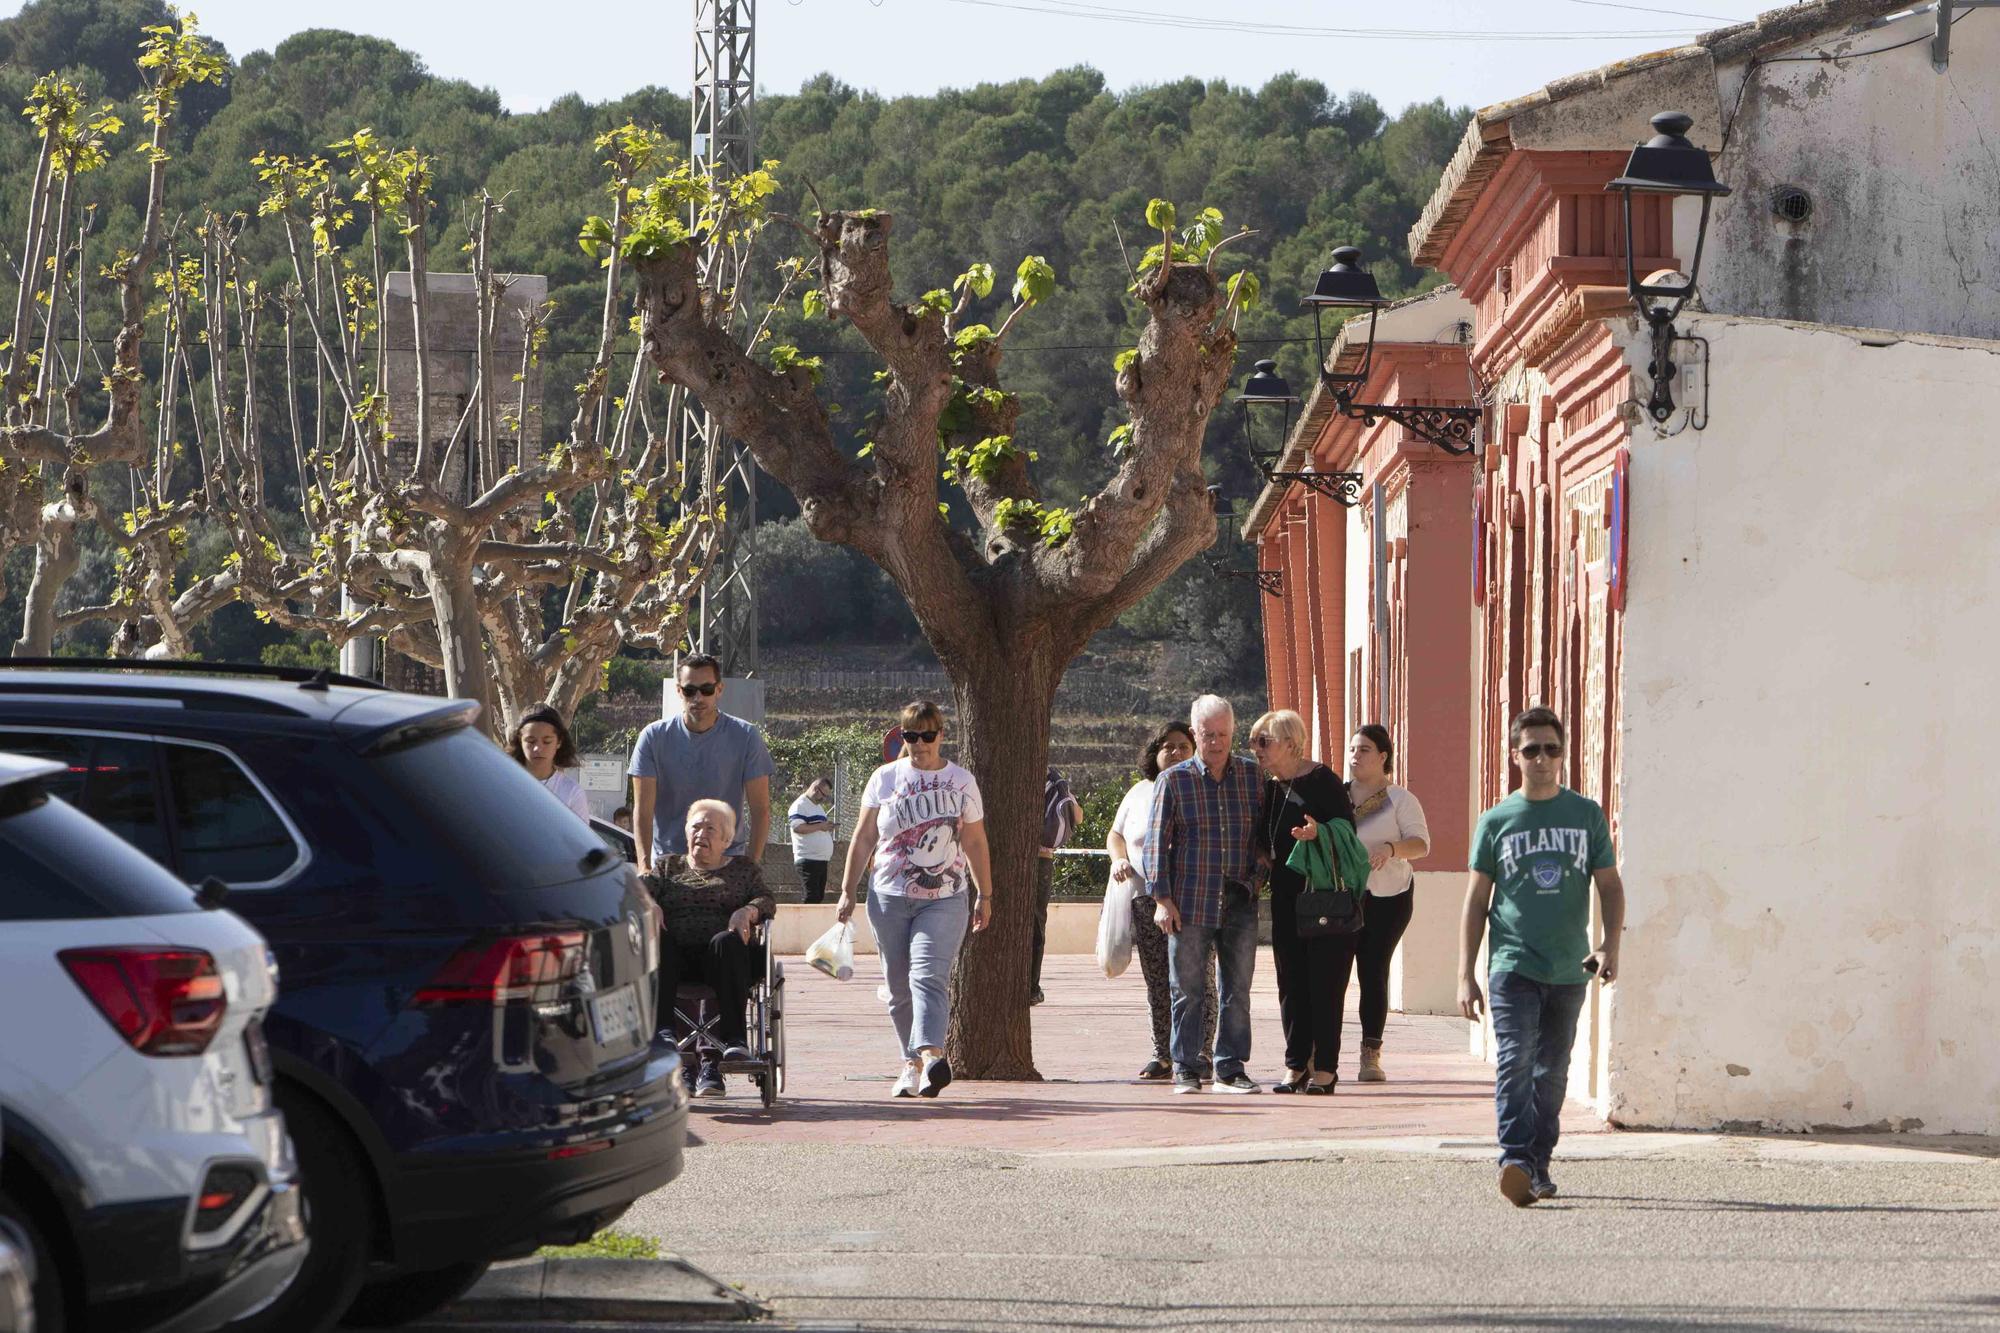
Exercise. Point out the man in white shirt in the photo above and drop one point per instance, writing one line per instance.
(812, 837)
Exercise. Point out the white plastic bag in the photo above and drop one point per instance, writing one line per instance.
(1114, 926)
(833, 952)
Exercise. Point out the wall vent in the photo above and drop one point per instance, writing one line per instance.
(1791, 203)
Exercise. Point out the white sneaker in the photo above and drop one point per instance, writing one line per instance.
(906, 1083)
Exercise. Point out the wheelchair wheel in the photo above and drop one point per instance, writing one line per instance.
(767, 1088)
(777, 1039)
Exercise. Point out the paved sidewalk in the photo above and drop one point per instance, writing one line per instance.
(1091, 1037)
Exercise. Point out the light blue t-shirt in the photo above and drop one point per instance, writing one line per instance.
(691, 766)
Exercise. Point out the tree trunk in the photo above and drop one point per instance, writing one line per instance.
(1002, 704)
(56, 557)
(455, 610)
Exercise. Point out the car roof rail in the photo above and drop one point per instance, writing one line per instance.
(306, 677)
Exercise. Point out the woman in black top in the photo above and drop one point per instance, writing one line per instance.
(1312, 973)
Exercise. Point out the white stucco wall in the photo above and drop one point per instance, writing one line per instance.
(1903, 166)
(1812, 743)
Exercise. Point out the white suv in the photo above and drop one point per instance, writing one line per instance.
(140, 1153)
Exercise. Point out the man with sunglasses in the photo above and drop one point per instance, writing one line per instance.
(703, 754)
(1534, 858)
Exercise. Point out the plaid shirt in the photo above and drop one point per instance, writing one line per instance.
(1203, 832)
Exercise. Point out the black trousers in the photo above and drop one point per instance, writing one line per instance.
(1383, 922)
(1312, 981)
(727, 965)
(813, 875)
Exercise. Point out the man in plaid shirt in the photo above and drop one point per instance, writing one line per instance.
(1201, 867)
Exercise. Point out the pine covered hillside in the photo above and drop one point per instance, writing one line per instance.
(1054, 167)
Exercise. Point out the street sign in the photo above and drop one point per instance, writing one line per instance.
(603, 773)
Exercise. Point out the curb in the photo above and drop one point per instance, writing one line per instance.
(568, 1290)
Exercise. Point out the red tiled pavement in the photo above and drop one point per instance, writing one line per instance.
(1091, 1037)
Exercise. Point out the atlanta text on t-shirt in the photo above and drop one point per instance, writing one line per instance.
(1572, 842)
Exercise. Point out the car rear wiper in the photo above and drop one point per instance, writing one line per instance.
(211, 893)
(594, 858)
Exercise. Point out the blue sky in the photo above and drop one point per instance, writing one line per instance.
(610, 47)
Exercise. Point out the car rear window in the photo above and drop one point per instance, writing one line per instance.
(61, 866)
(485, 807)
(109, 778)
(223, 823)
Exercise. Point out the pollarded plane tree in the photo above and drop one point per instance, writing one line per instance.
(1009, 600)
(54, 467)
(522, 584)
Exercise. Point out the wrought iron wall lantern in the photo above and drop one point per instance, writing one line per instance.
(1666, 164)
(1270, 581)
(1262, 389)
(1348, 286)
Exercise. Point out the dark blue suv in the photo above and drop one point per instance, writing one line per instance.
(462, 1041)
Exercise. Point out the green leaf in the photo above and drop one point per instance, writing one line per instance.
(936, 299)
(979, 278)
(814, 302)
(1121, 438)
(596, 234)
(1160, 215)
(1034, 281)
(1125, 360)
(1245, 290)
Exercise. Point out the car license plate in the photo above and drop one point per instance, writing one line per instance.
(615, 1015)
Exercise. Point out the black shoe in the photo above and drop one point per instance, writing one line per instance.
(1187, 1081)
(1542, 1187)
(1237, 1082)
(937, 1075)
(735, 1052)
(708, 1083)
(1314, 1088)
(1035, 997)
(1156, 1070)
(1295, 1080)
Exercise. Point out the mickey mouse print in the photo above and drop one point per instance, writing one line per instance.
(919, 815)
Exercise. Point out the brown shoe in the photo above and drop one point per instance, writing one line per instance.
(1371, 1065)
(1516, 1185)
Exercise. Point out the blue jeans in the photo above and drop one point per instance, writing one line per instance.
(1534, 1026)
(919, 939)
(1235, 945)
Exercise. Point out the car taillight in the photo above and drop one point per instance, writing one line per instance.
(495, 971)
(162, 1001)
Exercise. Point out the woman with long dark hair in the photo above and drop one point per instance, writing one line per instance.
(540, 742)
(1126, 842)
(1392, 827)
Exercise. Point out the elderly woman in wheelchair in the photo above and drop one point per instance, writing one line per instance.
(714, 905)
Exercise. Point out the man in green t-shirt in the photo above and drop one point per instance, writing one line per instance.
(1534, 858)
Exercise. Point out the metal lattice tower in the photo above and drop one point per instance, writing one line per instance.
(723, 138)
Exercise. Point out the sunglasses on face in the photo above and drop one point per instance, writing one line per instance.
(912, 737)
(1551, 750)
(1261, 741)
(705, 691)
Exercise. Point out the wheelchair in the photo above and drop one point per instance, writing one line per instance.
(696, 1013)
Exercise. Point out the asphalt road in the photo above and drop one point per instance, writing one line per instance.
(880, 1238)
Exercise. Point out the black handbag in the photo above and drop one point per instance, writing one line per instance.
(1327, 912)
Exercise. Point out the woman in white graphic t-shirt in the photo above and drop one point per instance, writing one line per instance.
(921, 846)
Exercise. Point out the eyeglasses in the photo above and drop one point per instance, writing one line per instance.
(1261, 741)
(705, 691)
(911, 737)
(1552, 750)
